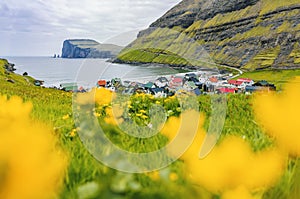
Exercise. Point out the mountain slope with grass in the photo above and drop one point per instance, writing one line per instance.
(246, 34)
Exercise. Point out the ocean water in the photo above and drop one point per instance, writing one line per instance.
(86, 72)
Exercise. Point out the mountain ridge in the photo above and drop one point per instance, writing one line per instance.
(250, 35)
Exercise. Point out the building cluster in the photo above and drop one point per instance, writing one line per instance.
(195, 82)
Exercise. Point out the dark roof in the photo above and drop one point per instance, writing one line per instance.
(263, 83)
(162, 79)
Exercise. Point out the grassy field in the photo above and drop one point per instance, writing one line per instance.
(87, 178)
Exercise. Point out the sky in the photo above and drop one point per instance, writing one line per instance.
(39, 27)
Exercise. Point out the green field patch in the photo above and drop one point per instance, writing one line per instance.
(272, 5)
(264, 59)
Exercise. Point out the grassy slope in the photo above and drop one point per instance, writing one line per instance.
(186, 46)
(51, 105)
(277, 77)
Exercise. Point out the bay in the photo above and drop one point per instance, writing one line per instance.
(86, 72)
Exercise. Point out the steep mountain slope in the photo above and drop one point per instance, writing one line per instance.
(247, 34)
(87, 48)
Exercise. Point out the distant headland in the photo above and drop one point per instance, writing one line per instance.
(88, 48)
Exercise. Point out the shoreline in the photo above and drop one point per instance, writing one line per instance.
(185, 68)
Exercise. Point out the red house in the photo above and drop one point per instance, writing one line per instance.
(234, 82)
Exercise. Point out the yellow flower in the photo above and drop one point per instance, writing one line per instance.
(96, 114)
(144, 116)
(143, 111)
(279, 114)
(239, 193)
(233, 163)
(101, 96)
(114, 115)
(173, 176)
(139, 114)
(85, 98)
(184, 130)
(73, 133)
(154, 175)
(65, 117)
(32, 166)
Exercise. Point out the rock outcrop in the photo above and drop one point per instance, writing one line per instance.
(87, 48)
(247, 34)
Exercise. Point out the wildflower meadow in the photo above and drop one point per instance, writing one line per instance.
(51, 148)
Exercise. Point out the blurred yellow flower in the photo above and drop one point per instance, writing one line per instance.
(32, 166)
(85, 98)
(279, 114)
(114, 114)
(233, 163)
(239, 193)
(97, 114)
(154, 175)
(101, 96)
(184, 129)
(173, 176)
(65, 117)
(73, 133)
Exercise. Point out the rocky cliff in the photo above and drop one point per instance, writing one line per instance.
(86, 48)
(247, 34)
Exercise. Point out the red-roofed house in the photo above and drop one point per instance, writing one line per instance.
(246, 81)
(213, 79)
(226, 90)
(234, 82)
(176, 82)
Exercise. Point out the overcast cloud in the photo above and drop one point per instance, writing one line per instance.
(38, 27)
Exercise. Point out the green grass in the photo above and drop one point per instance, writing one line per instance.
(278, 77)
(151, 55)
(272, 5)
(230, 17)
(257, 31)
(263, 59)
(285, 27)
(195, 26)
(50, 106)
(295, 54)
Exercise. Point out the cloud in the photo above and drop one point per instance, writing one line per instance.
(97, 19)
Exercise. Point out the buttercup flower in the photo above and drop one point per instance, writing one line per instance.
(31, 165)
(279, 114)
(187, 133)
(101, 96)
(113, 114)
(233, 164)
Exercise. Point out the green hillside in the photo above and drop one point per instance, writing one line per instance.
(255, 34)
